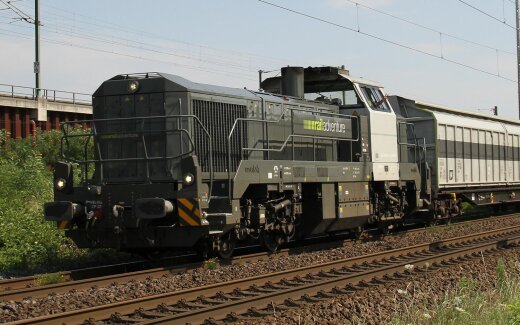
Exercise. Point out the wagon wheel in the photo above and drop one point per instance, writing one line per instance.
(431, 220)
(272, 240)
(432, 223)
(358, 232)
(226, 247)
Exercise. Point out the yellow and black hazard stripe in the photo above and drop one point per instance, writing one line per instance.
(64, 224)
(188, 211)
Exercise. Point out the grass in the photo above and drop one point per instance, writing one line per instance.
(468, 207)
(434, 229)
(211, 264)
(468, 304)
(48, 278)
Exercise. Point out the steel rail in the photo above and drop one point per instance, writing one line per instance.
(20, 288)
(320, 284)
(196, 304)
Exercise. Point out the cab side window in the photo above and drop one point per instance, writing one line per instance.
(375, 99)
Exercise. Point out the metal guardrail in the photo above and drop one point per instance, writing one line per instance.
(51, 95)
(141, 132)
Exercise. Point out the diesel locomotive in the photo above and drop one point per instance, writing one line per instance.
(177, 164)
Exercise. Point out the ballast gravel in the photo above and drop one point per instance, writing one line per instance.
(389, 302)
(57, 303)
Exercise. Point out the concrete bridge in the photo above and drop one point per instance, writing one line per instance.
(22, 111)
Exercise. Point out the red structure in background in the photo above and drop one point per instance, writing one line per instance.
(19, 109)
(18, 123)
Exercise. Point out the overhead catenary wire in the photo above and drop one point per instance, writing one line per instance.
(382, 39)
(141, 32)
(113, 26)
(231, 63)
(21, 15)
(118, 41)
(228, 67)
(233, 60)
(145, 58)
(416, 24)
(487, 14)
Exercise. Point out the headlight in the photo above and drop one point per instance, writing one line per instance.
(188, 179)
(60, 184)
(133, 86)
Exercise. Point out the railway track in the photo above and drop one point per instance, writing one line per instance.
(255, 297)
(20, 288)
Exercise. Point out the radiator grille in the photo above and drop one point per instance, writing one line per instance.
(218, 119)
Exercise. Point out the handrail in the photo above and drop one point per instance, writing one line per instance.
(52, 95)
(94, 133)
(415, 145)
(407, 144)
(290, 136)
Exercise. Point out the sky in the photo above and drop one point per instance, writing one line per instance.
(463, 59)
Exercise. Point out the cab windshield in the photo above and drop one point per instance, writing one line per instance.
(340, 98)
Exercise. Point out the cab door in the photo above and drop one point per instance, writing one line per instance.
(383, 134)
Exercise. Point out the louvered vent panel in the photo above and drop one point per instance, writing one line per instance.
(218, 119)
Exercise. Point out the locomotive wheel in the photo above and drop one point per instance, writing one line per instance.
(151, 255)
(384, 228)
(226, 247)
(272, 240)
(203, 250)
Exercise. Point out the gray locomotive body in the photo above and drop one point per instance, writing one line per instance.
(172, 163)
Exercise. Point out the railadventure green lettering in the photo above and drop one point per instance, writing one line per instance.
(325, 126)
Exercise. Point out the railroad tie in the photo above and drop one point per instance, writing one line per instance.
(151, 314)
(165, 308)
(312, 300)
(258, 289)
(290, 303)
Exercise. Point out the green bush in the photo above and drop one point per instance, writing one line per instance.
(28, 243)
(27, 240)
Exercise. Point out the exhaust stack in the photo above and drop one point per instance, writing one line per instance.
(293, 82)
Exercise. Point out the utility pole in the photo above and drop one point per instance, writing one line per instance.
(518, 51)
(37, 45)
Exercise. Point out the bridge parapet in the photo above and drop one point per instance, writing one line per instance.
(21, 107)
(50, 95)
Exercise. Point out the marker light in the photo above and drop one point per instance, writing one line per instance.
(188, 179)
(60, 184)
(133, 86)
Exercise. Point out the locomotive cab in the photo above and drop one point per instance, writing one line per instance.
(356, 97)
(395, 184)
